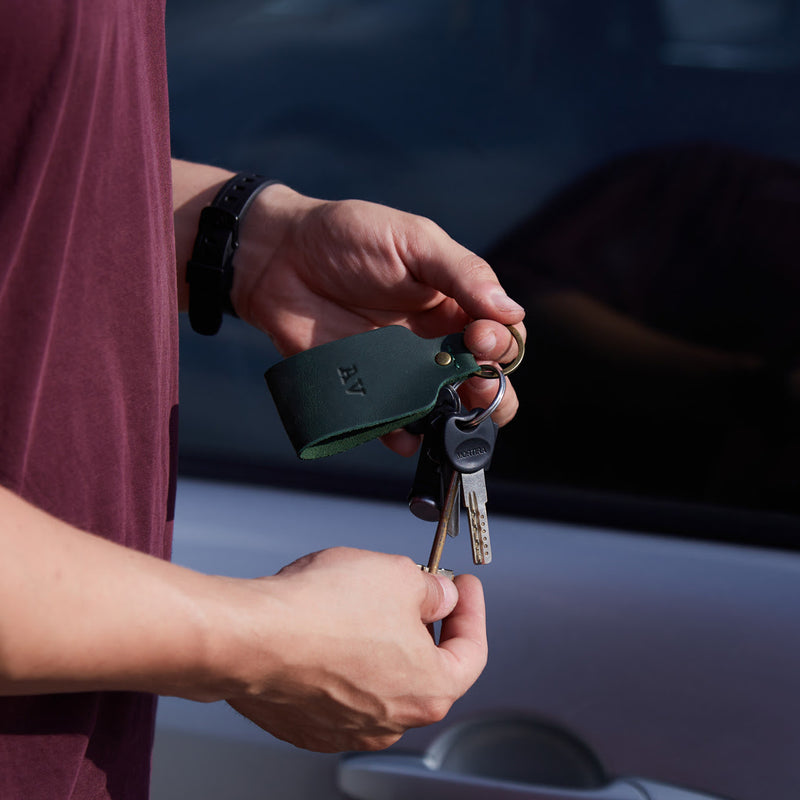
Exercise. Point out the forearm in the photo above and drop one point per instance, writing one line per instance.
(292, 652)
(194, 186)
(78, 613)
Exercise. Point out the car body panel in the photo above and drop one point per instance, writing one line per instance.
(672, 660)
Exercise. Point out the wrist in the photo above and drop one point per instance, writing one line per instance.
(210, 269)
(194, 186)
(245, 634)
(271, 225)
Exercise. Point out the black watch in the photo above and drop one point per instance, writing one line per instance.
(209, 272)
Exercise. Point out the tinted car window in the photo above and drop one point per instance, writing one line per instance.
(628, 167)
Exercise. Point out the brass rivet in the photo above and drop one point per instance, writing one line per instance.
(444, 359)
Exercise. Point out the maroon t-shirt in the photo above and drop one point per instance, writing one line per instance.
(88, 338)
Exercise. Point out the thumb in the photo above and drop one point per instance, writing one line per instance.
(461, 274)
(440, 597)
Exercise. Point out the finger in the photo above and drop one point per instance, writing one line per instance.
(463, 633)
(440, 597)
(442, 263)
(491, 341)
(402, 442)
(480, 392)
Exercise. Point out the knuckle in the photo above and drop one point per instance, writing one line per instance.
(380, 742)
(474, 267)
(402, 561)
(434, 709)
(426, 226)
(333, 555)
(418, 234)
(409, 568)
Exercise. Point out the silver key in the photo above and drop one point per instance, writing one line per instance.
(468, 448)
(473, 488)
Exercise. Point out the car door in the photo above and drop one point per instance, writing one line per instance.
(629, 169)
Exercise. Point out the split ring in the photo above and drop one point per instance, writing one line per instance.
(494, 372)
(486, 371)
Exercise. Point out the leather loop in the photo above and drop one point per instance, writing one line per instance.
(209, 272)
(337, 395)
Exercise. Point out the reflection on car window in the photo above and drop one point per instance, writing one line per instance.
(662, 294)
(630, 169)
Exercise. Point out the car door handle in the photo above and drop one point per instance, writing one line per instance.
(400, 777)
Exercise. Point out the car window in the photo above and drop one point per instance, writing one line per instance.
(629, 168)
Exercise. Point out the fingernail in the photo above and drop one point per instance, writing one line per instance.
(450, 591)
(504, 303)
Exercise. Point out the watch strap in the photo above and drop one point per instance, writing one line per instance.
(210, 269)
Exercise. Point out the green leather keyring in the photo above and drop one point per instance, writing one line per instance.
(338, 395)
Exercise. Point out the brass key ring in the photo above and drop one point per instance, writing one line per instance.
(485, 371)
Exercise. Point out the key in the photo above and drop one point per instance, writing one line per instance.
(468, 449)
(432, 475)
(473, 487)
(430, 497)
(453, 491)
(428, 489)
(453, 521)
(425, 498)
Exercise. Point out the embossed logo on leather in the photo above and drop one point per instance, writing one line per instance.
(351, 380)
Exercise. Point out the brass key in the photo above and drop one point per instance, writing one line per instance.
(449, 505)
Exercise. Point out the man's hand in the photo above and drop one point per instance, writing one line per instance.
(310, 271)
(348, 662)
(332, 653)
